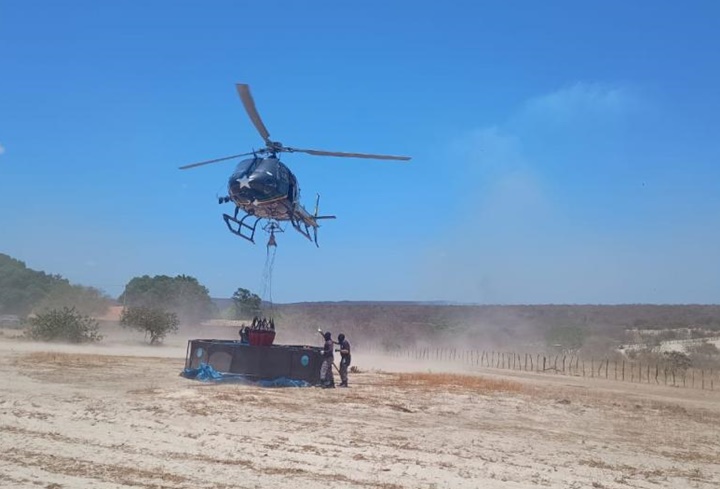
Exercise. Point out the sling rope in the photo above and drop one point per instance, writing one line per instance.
(266, 295)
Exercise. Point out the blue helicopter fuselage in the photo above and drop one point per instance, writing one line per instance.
(264, 187)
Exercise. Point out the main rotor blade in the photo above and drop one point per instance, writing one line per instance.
(247, 100)
(192, 165)
(346, 155)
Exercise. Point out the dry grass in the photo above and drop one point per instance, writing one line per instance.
(72, 360)
(473, 383)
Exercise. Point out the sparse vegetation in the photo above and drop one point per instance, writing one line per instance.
(705, 355)
(676, 361)
(473, 383)
(565, 339)
(65, 324)
(152, 321)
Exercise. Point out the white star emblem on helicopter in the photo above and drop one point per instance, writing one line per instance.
(244, 181)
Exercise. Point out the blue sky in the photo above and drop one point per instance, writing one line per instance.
(563, 152)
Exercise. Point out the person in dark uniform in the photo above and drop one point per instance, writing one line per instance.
(244, 335)
(326, 370)
(345, 359)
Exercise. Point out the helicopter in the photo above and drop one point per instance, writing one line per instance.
(263, 187)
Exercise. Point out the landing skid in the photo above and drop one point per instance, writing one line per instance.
(305, 230)
(241, 226)
(245, 230)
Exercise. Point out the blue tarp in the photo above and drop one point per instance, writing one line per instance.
(206, 373)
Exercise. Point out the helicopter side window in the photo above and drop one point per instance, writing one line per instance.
(287, 182)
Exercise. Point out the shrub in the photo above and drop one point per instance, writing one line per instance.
(65, 324)
(677, 361)
(566, 339)
(152, 321)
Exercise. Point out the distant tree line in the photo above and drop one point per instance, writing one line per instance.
(24, 291)
(182, 299)
(156, 305)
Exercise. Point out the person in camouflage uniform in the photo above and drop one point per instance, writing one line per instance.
(326, 370)
(345, 359)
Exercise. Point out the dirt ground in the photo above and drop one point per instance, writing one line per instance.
(118, 415)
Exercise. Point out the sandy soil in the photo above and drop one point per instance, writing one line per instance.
(118, 415)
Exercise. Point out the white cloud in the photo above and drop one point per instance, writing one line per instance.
(512, 239)
(500, 182)
(579, 101)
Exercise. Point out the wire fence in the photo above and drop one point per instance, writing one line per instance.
(637, 371)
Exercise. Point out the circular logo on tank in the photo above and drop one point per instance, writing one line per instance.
(304, 360)
(199, 352)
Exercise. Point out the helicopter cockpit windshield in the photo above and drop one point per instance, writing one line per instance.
(245, 167)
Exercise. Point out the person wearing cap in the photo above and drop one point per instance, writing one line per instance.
(326, 373)
(345, 359)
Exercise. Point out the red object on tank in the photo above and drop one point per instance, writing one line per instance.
(261, 337)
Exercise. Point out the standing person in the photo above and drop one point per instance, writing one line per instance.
(326, 373)
(244, 335)
(345, 359)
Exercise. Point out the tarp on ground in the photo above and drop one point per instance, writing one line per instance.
(206, 373)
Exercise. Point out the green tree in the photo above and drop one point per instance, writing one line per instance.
(247, 304)
(150, 320)
(87, 300)
(22, 288)
(65, 324)
(182, 295)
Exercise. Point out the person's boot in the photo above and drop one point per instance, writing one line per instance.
(343, 384)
